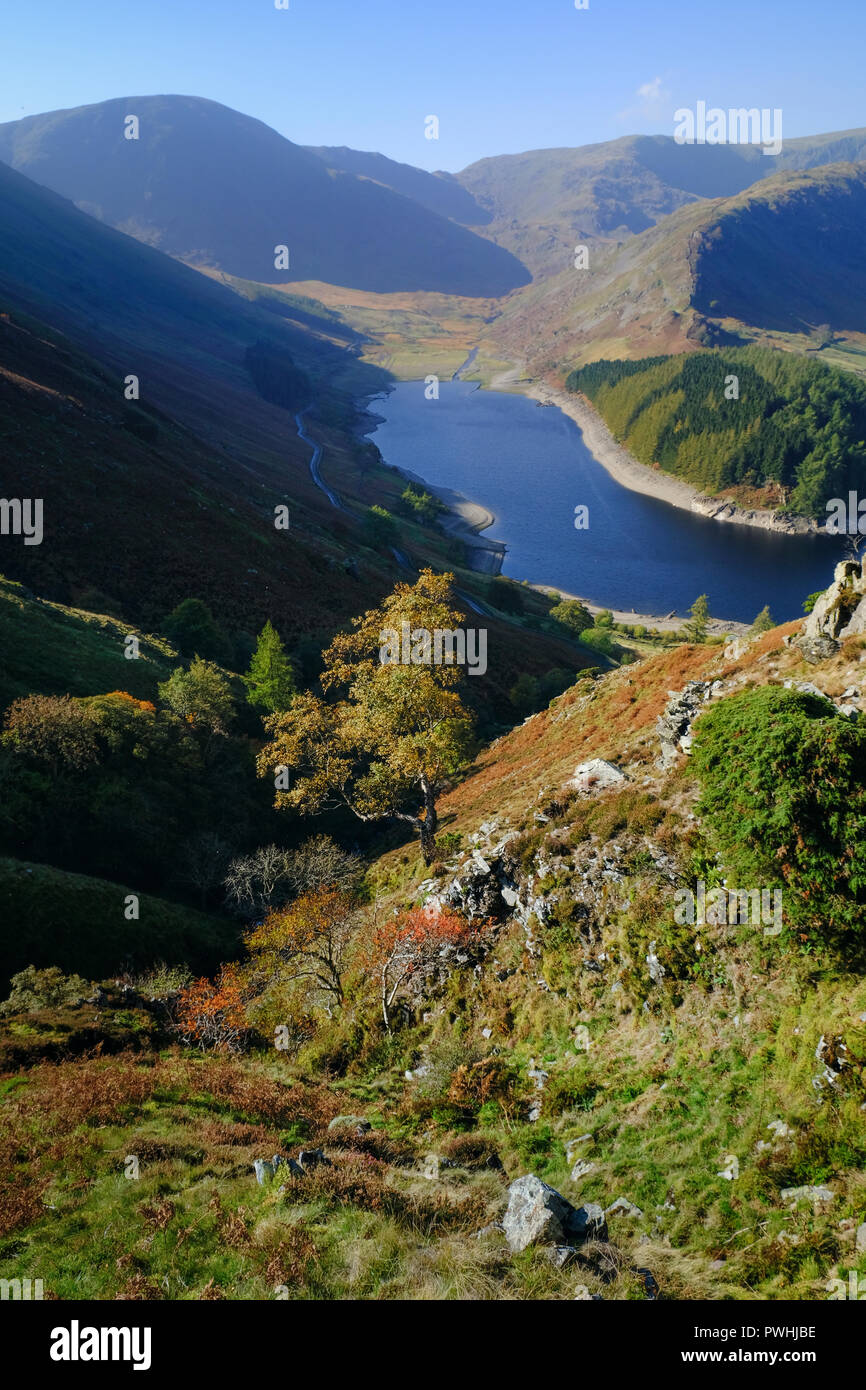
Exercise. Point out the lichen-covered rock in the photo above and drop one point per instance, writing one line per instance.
(597, 775)
(840, 612)
(674, 726)
(539, 1215)
(623, 1207)
(818, 1196)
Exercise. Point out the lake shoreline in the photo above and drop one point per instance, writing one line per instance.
(626, 470)
(465, 519)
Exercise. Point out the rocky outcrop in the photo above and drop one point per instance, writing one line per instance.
(721, 509)
(674, 727)
(840, 612)
(818, 1196)
(539, 1215)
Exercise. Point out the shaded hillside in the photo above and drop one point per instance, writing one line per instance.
(140, 514)
(440, 192)
(220, 189)
(788, 254)
(183, 334)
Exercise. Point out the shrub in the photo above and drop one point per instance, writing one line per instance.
(305, 944)
(53, 730)
(34, 989)
(211, 1015)
(380, 528)
(407, 952)
(572, 615)
(598, 639)
(783, 779)
(192, 628)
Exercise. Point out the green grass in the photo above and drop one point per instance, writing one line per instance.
(51, 917)
(52, 649)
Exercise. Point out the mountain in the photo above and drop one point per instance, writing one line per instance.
(190, 473)
(717, 271)
(220, 189)
(543, 201)
(442, 193)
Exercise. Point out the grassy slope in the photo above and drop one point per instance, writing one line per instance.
(61, 650)
(666, 1093)
(51, 917)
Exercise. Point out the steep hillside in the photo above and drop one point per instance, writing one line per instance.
(140, 514)
(720, 270)
(540, 203)
(440, 192)
(220, 189)
(755, 260)
(693, 1088)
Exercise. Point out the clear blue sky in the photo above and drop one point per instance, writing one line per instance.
(501, 75)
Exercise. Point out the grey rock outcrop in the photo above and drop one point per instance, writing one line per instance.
(539, 1215)
(840, 612)
(597, 775)
(674, 727)
(623, 1207)
(818, 1196)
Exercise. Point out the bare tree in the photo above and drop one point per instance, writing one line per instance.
(270, 877)
(257, 883)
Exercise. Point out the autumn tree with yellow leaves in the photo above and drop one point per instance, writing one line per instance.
(388, 736)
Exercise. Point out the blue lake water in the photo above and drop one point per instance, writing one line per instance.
(530, 467)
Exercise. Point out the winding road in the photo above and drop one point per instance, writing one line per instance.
(333, 498)
(314, 464)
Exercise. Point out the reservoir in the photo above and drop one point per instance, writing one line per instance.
(530, 467)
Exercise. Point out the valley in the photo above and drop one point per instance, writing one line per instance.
(385, 678)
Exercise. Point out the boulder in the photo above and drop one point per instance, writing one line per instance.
(840, 612)
(623, 1207)
(818, 1196)
(561, 1255)
(356, 1124)
(312, 1158)
(861, 1239)
(539, 1215)
(430, 1168)
(597, 775)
